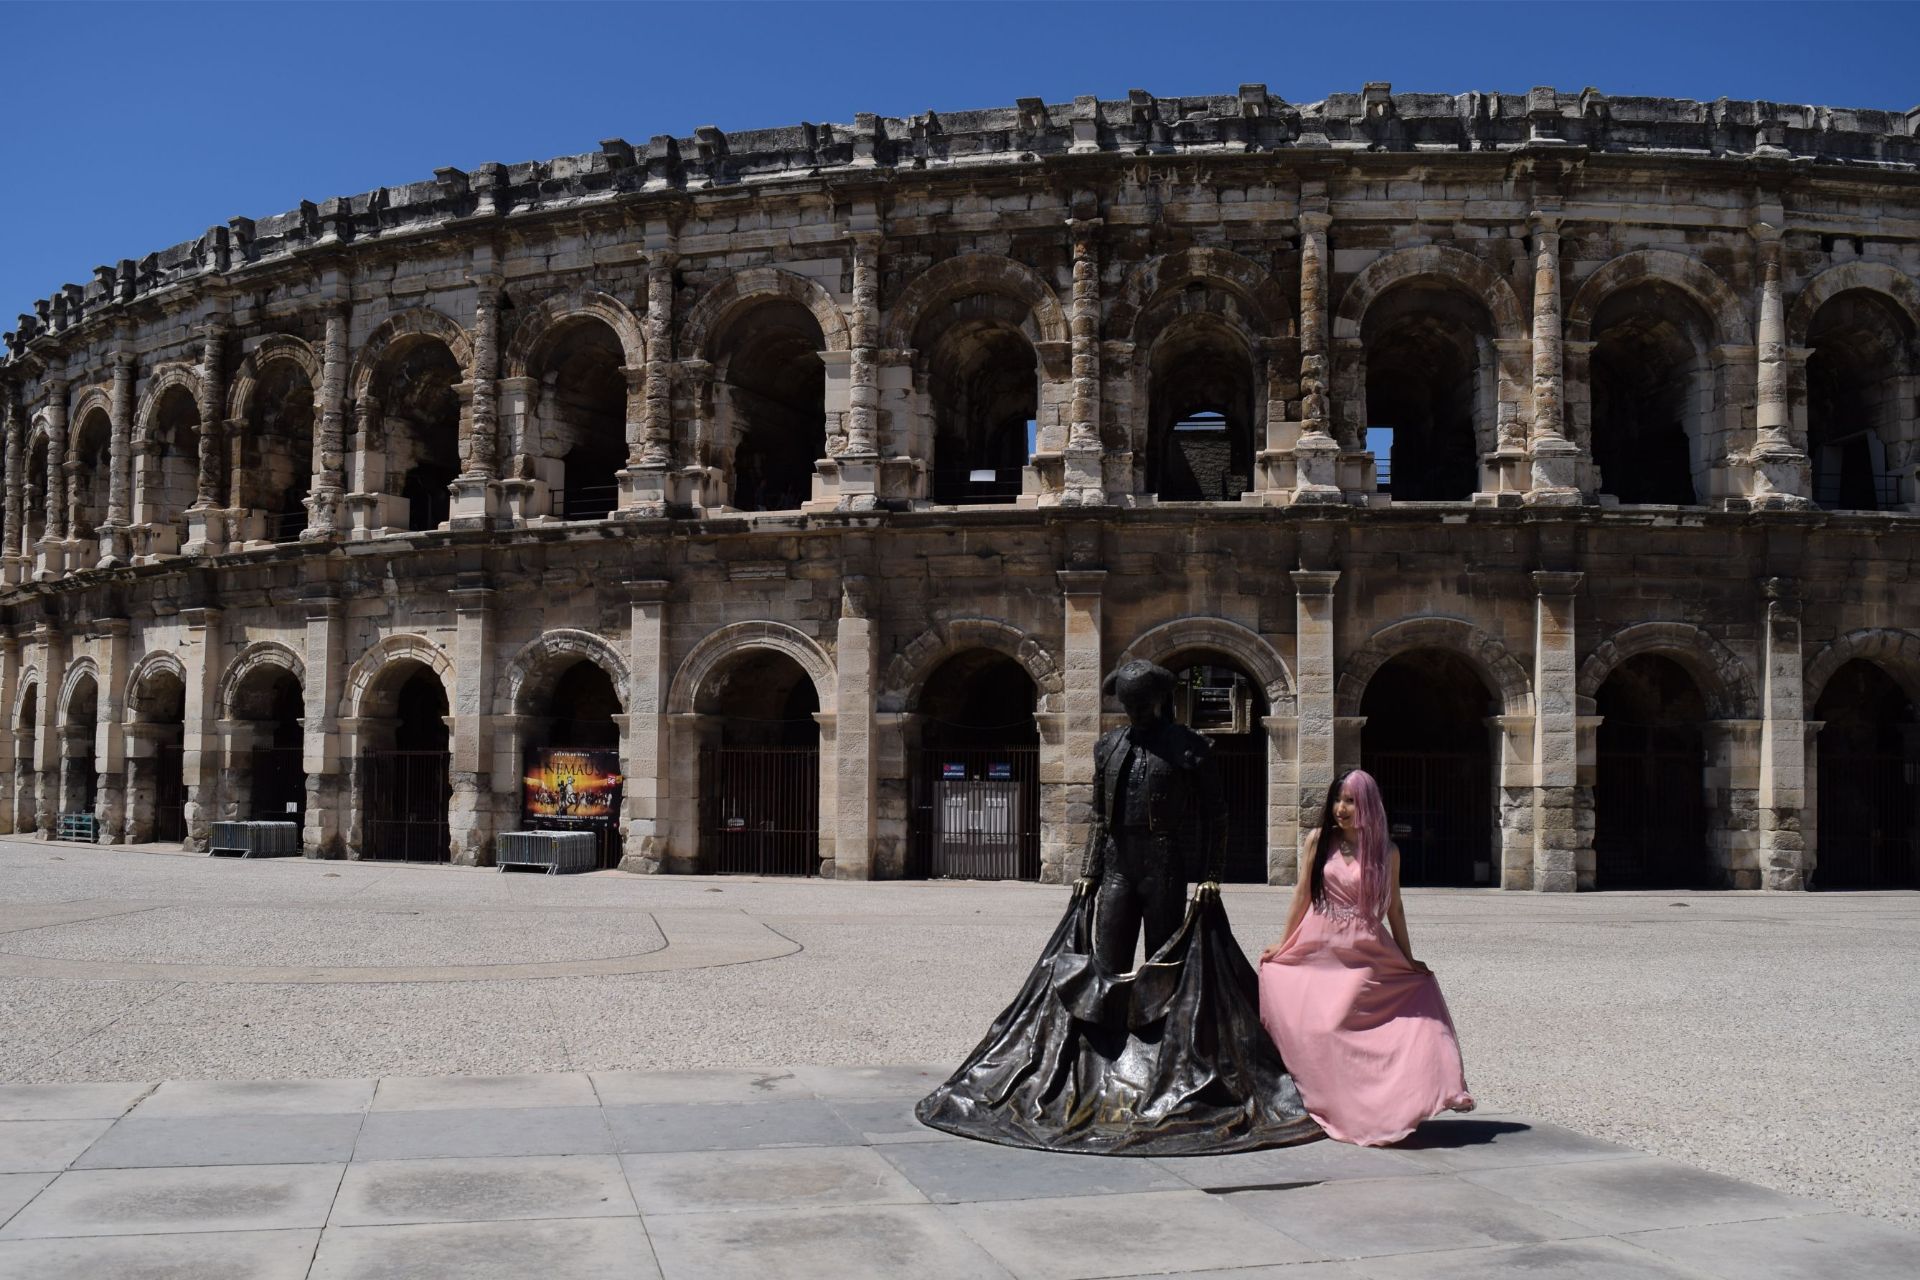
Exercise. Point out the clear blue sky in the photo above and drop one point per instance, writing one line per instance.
(134, 127)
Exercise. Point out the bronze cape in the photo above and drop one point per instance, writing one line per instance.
(1170, 1060)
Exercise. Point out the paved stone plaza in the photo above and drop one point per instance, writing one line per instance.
(1662, 1023)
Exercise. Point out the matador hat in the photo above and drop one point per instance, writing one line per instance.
(1138, 674)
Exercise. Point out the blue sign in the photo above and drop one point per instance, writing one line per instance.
(953, 771)
(1000, 769)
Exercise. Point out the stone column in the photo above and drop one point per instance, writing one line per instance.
(1071, 811)
(114, 546)
(205, 660)
(206, 531)
(644, 758)
(647, 489)
(856, 654)
(326, 505)
(1783, 779)
(1556, 734)
(1315, 739)
(17, 553)
(367, 501)
(1282, 818)
(325, 764)
(49, 755)
(858, 462)
(473, 490)
(9, 698)
(1555, 459)
(1316, 454)
(1781, 475)
(470, 816)
(50, 562)
(1084, 482)
(109, 739)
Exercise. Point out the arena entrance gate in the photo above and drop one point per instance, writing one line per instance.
(1216, 698)
(759, 768)
(1869, 779)
(974, 765)
(1426, 741)
(1649, 792)
(405, 788)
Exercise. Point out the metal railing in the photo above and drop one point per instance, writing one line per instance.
(963, 486)
(976, 813)
(286, 526)
(1830, 492)
(760, 811)
(586, 501)
(1440, 812)
(405, 796)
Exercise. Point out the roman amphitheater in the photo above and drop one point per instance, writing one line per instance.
(1551, 454)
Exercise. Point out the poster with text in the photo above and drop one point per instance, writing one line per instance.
(565, 786)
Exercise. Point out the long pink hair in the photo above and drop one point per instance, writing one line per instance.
(1371, 820)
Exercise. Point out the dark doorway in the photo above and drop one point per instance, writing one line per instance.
(422, 408)
(1855, 405)
(1647, 383)
(1426, 741)
(1649, 792)
(407, 787)
(1201, 403)
(156, 784)
(760, 769)
(580, 716)
(1424, 385)
(976, 772)
(82, 783)
(1869, 780)
(279, 774)
(1216, 698)
(775, 388)
(983, 379)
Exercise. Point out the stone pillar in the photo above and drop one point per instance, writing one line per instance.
(204, 657)
(18, 555)
(326, 765)
(1316, 454)
(1783, 776)
(206, 530)
(326, 502)
(114, 546)
(857, 463)
(109, 738)
(470, 817)
(474, 493)
(1556, 734)
(646, 487)
(50, 751)
(1781, 475)
(1084, 479)
(856, 654)
(1282, 817)
(1081, 675)
(50, 554)
(1555, 459)
(643, 756)
(1316, 741)
(368, 503)
(9, 699)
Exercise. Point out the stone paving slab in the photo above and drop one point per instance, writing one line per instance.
(822, 1172)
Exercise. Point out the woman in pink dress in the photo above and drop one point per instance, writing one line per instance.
(1361, 1024)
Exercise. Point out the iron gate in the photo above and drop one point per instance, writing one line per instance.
(1440, 812)
(404, 796)
(976, 813)
(279, 784)
(1243, 783)
(1649, 820)
(760, 810)
(169, 792)
(1869, 822)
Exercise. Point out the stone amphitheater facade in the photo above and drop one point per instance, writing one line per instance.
(1455, 433)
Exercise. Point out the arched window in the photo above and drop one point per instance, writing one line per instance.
(1860, 411)
(1201, 398)
(982, 376)
(1430, 387)
(276, 458)
(415, 391)
(770, 404)
(1652, 395)
(583, 418)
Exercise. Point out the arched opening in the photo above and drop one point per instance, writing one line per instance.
(422, 427)
(1427, 742)
(1868, 801)
(983, 379)
(1860, 412)
(276, 453)
(1649, 794)
(169, 478)
(79, 781)
(36, 494)
(572, 759)
(156, 784)
(1652, 393)
(1202, 395)
(974, 757)
(93, 450)
(1215, 696)
(770, 404)
(583, 409)
(405, 772)
(267, 735)
(1430, 386)
(759, 767)
(26, 769)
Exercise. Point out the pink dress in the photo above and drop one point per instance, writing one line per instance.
(1365, 1034)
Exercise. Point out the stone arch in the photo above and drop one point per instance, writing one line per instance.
(718, 646)
(399, 330)
(159, 662)
(540, 325)
(96, 398)
(1502, 671)
(388, 651)
(280, 346)
(976, 273)
(910, 669)
(1873, 277)
(1246, 647)
(164, 379)
(1432, 262)
(1663, 266)
(1222, 269)
(742, 289)
(1722, 677)
(1894, 651)
(261, 653)
(82, 669)
(541, 660)
(28, 683)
